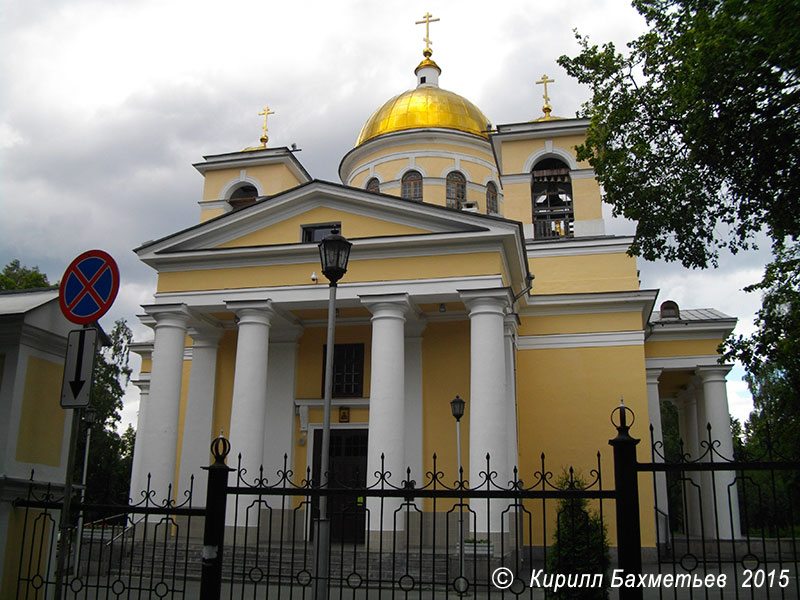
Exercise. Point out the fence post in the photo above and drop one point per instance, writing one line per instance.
(626, 484)
(214, 529)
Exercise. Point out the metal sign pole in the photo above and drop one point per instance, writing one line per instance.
(64, 528)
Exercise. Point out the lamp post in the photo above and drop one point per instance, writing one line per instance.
(89, 417)
(457, 407)
(334, 252)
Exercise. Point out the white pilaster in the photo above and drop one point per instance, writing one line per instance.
(197, 423)
(687, 412)
(159, 436)
(387, 430)
(413, 385)
(138, 477)
(716, 411)
(654, 410)
(249, 404)
(488, 396)
(278, 429)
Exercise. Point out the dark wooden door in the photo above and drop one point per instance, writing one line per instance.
(347, 469)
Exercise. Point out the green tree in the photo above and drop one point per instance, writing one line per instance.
(695, 132)
(110, 454)
(580, 544)
(17, 277)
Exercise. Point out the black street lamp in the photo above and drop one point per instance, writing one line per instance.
(457, 405)
(334, 252)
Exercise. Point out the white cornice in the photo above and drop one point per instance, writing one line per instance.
(254, 158)
(577, 246)
(682, 363)
(421, 291)
(640, 301)
(581, 340)
(690, 330)
(415, 154)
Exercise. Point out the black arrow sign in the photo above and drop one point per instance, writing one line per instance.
(76, 385)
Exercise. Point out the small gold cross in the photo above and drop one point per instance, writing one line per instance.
(546, 108)
(426, 19)
(266, 113)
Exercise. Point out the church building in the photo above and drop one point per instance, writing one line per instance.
(480, 266)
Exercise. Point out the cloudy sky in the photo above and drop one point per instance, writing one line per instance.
(105, 105)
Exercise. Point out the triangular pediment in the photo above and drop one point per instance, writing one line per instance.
(279, 221)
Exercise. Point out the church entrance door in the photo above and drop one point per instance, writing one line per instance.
(348, 468)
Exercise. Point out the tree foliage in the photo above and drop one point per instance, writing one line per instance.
(17, 277)
(580, 544)
(695, 132)
(110, 454)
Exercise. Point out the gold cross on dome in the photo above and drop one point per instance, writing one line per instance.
(266, 112)
(545, 80)
(426, 19)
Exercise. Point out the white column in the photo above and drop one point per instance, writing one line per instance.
(657, 442)
(249, 404)
(687, 412)
(413, 414)
(387, 431)
(716, 411)
(159, 436)
(197, 422)
(487, 401)
(138, 478)
(279, 422)
(511, 324)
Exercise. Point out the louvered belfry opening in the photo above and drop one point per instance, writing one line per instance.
(551, 200)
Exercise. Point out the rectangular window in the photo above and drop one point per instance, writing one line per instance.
(348, 370)
(315, 233)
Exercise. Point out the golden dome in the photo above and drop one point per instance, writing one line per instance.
(425, 106)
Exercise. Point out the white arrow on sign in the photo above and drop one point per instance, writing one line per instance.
(77, 384)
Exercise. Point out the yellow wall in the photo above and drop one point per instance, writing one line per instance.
(185, 373)
(682, 348)
(41, 425)
(584, 273)
(419, 267)
(445, 373)
(581, 323)
(565, 398)
(273, 179)
(353, 226)
(27, 541)
(223, 392)
(586, 199)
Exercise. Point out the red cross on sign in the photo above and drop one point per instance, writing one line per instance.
(88, 287)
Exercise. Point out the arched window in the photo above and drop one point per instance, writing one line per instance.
(373, 185)
(491, 199)
(551, 200)
(242, 196)
(411, 186)
(456, 190)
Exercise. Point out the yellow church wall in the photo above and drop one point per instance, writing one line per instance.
(584, 273)
(147, 365)
(223, 384)
(185, 373)
(273, 179)
(517, 202)
(586, 199)
(445, 349)
(411, 148)
(388, 170)
(308, 383)
(565, 399)
(416, 267)
(353, 226)
(681, 348)
(18, 536)
(580, 323)
(41, 424)
(434, 165)
(206, 214)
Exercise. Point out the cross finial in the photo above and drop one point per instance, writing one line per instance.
(266, 113)
(546, 108)
(427, 20)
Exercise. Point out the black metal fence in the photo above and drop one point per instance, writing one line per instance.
(534, 535)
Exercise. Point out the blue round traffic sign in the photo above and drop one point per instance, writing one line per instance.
(88, 287)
